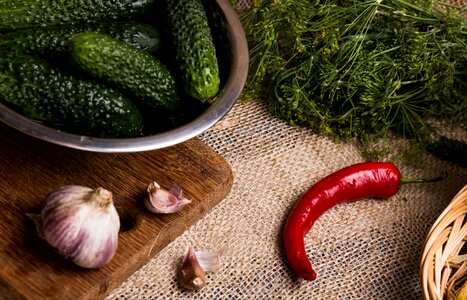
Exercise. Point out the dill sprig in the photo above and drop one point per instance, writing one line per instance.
(359, 68)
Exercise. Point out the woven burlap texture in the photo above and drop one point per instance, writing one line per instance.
(367, 249)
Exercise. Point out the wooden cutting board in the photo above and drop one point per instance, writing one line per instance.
(30, 169)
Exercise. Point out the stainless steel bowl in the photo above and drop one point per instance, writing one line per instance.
(229, 95)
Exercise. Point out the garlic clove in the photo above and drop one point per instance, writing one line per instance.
(82, 224)
(190, 274)
(210, 260)
(159, 200)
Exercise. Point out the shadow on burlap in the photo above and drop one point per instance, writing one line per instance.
(367, 249)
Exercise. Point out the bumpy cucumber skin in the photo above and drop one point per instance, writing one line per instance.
(53, 40)
(16, 14)
(194, 48)
(41, 92)
(149, 82)
(220, 35)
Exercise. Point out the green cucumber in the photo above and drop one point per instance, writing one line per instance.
(145, 78)
(194, 49)
(54, 39)
(43, 93)
(16, 14)
(220, 34)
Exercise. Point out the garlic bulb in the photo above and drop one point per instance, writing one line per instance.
(81, 223)
(158, 200)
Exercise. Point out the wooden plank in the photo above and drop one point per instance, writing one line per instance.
(30, 169)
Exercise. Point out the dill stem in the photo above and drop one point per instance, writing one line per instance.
(414, 7)
(404, 14)
(387, 51)
(409, 82)
(420, 18)
(452, 5)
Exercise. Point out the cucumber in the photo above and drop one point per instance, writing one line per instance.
(194, 49)
(220, 34)
(41, 92)
(145, 78)
(54, 39)
(16, 14)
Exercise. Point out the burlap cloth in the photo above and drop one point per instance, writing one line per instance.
(368, 249)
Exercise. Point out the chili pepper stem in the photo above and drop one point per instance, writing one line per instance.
(405, 180)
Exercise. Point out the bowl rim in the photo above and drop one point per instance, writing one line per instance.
(227, 98)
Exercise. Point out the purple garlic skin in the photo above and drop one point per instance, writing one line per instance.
(82, 224)
(159, 200)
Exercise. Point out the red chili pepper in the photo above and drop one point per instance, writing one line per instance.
(362, 180)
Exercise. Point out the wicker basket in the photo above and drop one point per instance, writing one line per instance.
(443, 267)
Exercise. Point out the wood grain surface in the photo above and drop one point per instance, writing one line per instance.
(30, 169)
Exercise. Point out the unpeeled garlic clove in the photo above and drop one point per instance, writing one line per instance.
(159, 200)
(195, 265)
(190, 274)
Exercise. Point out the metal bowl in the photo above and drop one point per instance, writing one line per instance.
(229, 94)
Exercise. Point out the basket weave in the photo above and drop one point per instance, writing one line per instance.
(442, 268)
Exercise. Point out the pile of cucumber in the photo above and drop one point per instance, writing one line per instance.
(108, 68)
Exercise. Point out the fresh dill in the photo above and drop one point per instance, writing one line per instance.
(359, 68)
